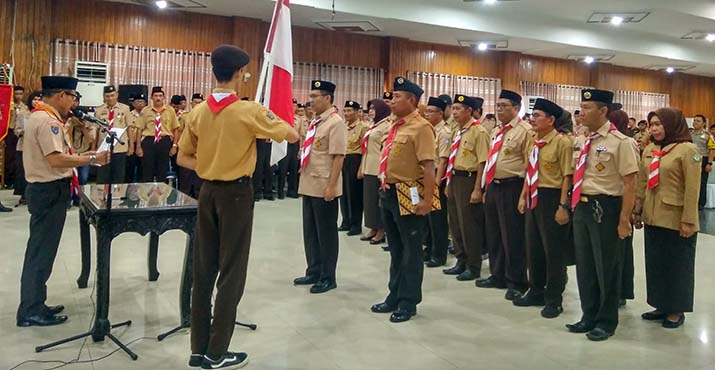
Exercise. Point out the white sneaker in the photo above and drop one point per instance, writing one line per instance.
(230, 360)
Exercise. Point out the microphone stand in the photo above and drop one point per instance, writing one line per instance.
(102, 327)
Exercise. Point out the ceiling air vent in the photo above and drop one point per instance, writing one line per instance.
(348, 26)
(173, 4)
(592, 58)
(626, 17)
(678, 68)
(496, 44)
(699, 35)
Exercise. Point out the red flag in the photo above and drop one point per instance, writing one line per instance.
(6, 94)
(277, 73)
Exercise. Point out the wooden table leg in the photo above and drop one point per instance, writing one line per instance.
(186, 281)
(86, 249)
(153, 255)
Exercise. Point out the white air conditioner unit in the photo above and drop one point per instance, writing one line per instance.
(531, 99)
(92, 76)
(6, 74)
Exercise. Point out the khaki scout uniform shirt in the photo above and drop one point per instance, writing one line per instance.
(414, 143)
(371, 159)
(121, 117)
(700, 139)
(355, 135)
(44, 135)
(473, 148)
(301, 125)
(19, 130)
(225, 143)
(169, 122)
(675, 199)
(81, 135)
(16, 111)
(510, 162)
(452, 124)
(443, 145)
(331, 139)
(555, 159)
(612, 156)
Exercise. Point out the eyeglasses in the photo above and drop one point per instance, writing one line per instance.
(504, 105)
(74, 97)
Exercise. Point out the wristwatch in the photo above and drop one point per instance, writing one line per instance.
(92, 160)
(565, 206)
(175, 145)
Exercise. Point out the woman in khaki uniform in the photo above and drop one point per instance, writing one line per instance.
(372, 148)
(667, 203)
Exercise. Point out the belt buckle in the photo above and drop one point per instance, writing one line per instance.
(584, 199)
(497, 181)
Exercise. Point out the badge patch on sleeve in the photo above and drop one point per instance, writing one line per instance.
(270, 115)
(697, 158)
(55, 130)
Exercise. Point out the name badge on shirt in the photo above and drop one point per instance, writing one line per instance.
(414, 196)
(601, 149)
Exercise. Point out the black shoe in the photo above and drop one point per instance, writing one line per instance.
(401, 315)
(551, 311)
(4, 209)
(257, 197)
(455, 270)
(344, 228)
(434, 263)
(674, 324)
(385, 248)
(323, 286)
(354, 232)
(490, 282)
(598, 335)
(54, 310)
(580, 327)
(281, 196)
(467, 275)
(269, 197)
(196, 360)
(531, 298)
(382, 308)
(293, 195)
(485, 257)
(228, 361)
(622, 303)
(41, 320)
(367, 237)
(377, 241)
(306, 280)
(425, 257)
(512, 294)
(654, 316)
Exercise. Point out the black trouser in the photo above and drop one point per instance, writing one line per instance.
(599, 258)
(263, 175)
(439, 229)
(47, 204)
(351, 202)
(404, 235)
(20, 182)
(505, 232)
(703, 184)
(669, 269)
(155, 163)
(320, 237)
(466, 222)
(114, 171)
(545, 244)
(223, 241)
(9, 157)
(189, 182)
(134, 169)
(288, 169)
(628, 272)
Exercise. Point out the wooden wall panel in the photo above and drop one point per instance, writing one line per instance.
(632, 79)
(328, 47)
(517, 67)
(32, 41)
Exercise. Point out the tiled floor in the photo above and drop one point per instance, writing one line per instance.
(458, 326)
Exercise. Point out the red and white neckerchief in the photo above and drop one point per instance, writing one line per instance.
(366, 137)
(654, 168)
(581, 166)
(157, 127)
(386, 153)
(490, 167)
(74, 184)
(532, 175)
(455, 149)
(110, 118)
(308, 143)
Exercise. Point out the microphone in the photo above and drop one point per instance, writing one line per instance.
(82, 116)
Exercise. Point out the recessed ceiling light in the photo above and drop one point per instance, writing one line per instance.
(588, 60)
(710, 37)
(161, 4)
(616, 21)
(482, 46)
(490, 2)
(670, 69)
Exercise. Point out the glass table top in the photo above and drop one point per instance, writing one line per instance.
(140, 196)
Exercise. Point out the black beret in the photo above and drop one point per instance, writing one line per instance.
(308, 105)
(197, 96)
(109, 89)
(446, 98)
(295, 101)
(59, 83)
(18, 88)
(139, 96)
(403, 84)
(176, 99)
(301, 105)
(480, 102)
(508, 94)
(323, 86)
(468, 101)
(387, 95)
(616, 106)
(352, 104)
(229, 58)
(601, 96)
(157, 89)
(437, 102)
(548, 107)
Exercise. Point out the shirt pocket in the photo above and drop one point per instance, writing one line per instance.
(673, 200)
(399, 146)
(467, 148)
(549, 162)
(601, 163)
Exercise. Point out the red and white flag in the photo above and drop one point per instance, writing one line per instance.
(275, 86)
